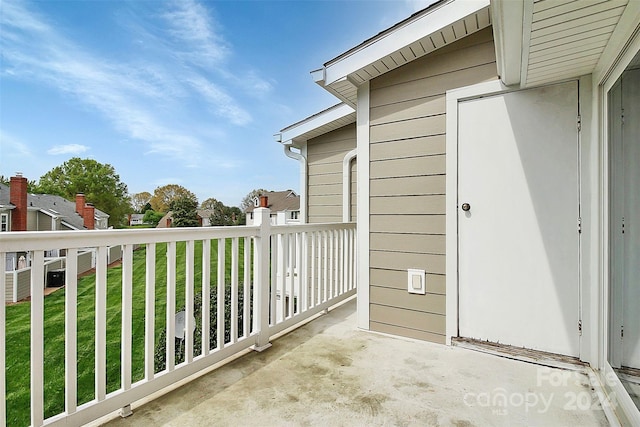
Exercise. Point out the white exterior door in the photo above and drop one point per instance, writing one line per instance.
(519, 240)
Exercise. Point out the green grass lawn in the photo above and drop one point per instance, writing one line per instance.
(18, 330)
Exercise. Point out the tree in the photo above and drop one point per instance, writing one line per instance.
(211, 204)
(163, 196)
(184, 212)
(227, 215)
(99, 182)
(140, 200)
(248, 199)
(152, 217)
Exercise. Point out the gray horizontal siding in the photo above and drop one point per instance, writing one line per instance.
(408, 183)
(325, 155)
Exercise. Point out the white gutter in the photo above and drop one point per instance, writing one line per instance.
(346, 184)
(303, 176)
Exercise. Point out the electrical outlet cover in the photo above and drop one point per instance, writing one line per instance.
(416, 281)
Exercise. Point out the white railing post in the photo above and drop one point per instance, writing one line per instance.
(262, 217)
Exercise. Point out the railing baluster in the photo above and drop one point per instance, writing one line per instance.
(127, 304)
(272, 283)
(341, 254)
(283, 252)
(171, 306)
(71, 331)
(292, 276)
(258, 311)
(354, 256)
(206, 296)
(343, 262)
(334, 265)
(101, 323)
(326, 273)
(312, 270)
(246, 287)
(298, 284)
(3, 335)
(188, 295)
(221, 286)
(37, 338)
(150, 312)
(234, 290)
(348, 260)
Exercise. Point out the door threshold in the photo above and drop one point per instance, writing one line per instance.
(522, 354)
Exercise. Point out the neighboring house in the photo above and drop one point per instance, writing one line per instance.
(20, 211)
(284, 206)
(204, 216)
(499, 155)
(136, 219)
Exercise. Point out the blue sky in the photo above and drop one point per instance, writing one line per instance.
(171, 92)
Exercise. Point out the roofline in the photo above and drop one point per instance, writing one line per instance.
(418, 25)
(313, 122)
(386, 31)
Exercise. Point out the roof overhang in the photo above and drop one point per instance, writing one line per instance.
(325, 121)
(540, 42)
(438, 25)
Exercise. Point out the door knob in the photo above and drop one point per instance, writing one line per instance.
(466, 207)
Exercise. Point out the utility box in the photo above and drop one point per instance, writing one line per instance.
(55, 278)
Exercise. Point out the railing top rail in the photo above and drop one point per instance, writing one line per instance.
(282, 229)
(17, 241)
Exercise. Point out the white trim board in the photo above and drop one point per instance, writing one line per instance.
(362, 146)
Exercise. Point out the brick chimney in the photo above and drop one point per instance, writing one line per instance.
(88, 214)
(80, 201)
(18, 198)
(264, 202)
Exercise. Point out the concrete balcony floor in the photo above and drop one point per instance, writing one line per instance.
(328, 373)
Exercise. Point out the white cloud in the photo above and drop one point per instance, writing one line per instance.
(68, 149)
(127, 95)
(194, 30)
(12, 147)
(147, 99)
(222, 104)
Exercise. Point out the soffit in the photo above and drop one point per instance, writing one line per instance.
(566, 38)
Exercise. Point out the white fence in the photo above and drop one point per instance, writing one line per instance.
(271, 278)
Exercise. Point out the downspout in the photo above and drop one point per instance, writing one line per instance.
(346, 184)
(303, 179)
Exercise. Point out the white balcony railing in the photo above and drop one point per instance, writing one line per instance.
(265, 279)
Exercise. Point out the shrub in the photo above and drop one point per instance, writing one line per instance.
(161, 345)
